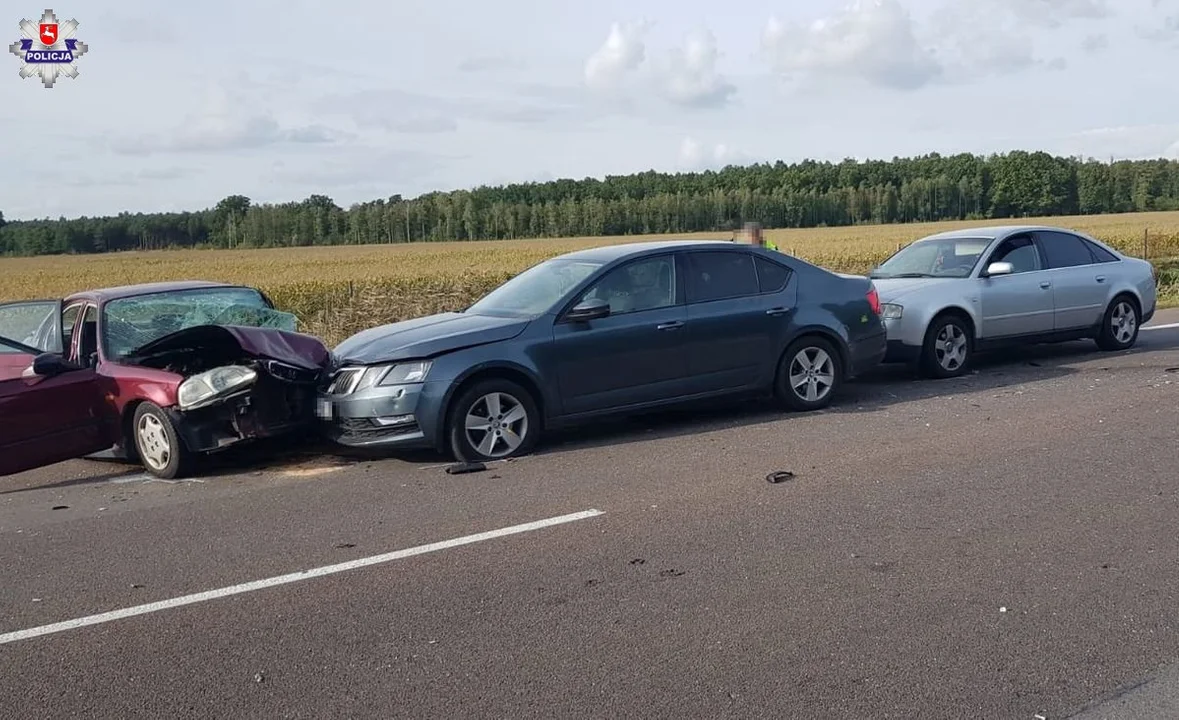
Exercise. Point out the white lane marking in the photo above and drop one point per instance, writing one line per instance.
(1160, 327)
(290, 578)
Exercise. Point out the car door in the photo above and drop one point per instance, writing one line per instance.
(634, 355)
(50, 417)
(1020, 303)
(737, 318)
(1079, 284)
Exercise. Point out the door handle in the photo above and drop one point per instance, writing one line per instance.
(673, 325)
(1100, 278)
(1045, 284)
(777, 311)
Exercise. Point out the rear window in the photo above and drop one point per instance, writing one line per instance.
(771, 276)
(1100, 254)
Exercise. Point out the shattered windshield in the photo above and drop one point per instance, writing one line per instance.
(131, 323)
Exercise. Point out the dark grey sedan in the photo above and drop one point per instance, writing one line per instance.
(601, 332)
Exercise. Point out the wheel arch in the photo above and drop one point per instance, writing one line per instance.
(511, 372)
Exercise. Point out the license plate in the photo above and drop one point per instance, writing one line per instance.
(324, 409)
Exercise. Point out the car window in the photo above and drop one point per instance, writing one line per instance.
(1020, 252)
(717, 275)
(641, 285)
(32, 323)
(69, 317)
(771, 277)
(1100, 254)
(1064, 250)
(87, 335)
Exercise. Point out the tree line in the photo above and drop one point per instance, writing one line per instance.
(805, 194)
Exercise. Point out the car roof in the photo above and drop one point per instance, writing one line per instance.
(610, 253)
(991, 232)
(126, 291)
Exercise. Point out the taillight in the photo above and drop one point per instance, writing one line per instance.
(874, 300)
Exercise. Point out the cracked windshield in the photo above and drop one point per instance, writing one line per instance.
(131, 323)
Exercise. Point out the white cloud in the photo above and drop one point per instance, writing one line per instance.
(869, 40)
(690, 76)
(620, 55)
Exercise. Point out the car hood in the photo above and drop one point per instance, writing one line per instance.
(302, 351)
(892, 289)
(426, 337)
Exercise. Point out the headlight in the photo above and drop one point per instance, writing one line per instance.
(211, 383)
(408, 372)
(891, 311)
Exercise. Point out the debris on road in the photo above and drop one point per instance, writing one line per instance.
(61, 507)
(463, 468)
(259, 677)
(671, 573)
(779, 476)
(344, 546)
(637, 561)
(1003, 609)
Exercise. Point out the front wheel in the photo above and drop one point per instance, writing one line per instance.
(157, 444)
(948, 348)
(1119, 325)
(809, 374)
(493, 420)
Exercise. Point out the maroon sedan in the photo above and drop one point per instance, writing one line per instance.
(160, 374)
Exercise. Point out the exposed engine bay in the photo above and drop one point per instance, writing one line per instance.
(240, 383)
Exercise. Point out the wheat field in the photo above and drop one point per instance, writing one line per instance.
(339, 290)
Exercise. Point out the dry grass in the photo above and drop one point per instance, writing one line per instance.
(339, 290)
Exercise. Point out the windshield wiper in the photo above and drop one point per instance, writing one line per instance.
(911, 275)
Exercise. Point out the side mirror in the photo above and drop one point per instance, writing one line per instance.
(588, 310)
(1000, 268)
(50, 364)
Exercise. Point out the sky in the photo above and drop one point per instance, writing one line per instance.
(178, 105)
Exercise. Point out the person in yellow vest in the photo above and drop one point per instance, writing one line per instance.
(755, 236)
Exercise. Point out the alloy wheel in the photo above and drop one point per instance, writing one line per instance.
(496, 424)
(950, 347)
(1123, 322)
(812, 374)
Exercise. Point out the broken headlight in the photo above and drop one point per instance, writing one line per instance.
(201, 388)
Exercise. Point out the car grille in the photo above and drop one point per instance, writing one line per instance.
(344, 381)
(361, 429)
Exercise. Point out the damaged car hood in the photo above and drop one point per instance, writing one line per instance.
(301, 351)
(426, 337)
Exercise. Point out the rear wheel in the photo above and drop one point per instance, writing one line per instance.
(493, 420)
(1119, 326)
(157, 444)
(948, 349)
(809, 374)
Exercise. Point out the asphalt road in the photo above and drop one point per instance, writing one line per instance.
(1000, 546)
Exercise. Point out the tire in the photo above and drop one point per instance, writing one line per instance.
(475, 444)
(948, 350)
(1119, 325)
(809, 374)
(157, 444)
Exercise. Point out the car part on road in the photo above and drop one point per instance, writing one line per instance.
(464, 468)
(779, 476)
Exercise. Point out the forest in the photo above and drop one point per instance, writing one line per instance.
(778, 195)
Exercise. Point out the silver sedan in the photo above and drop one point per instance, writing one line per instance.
(948, 295)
